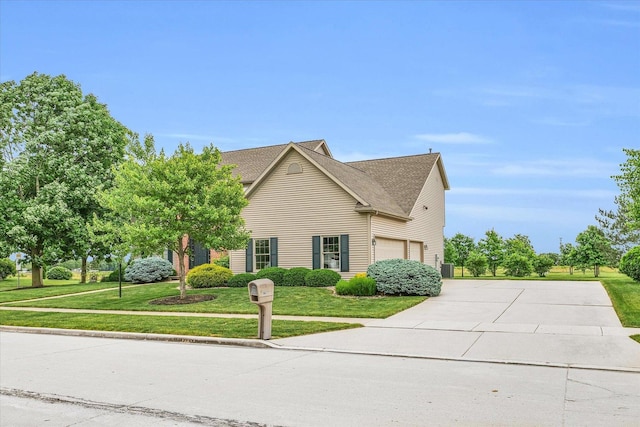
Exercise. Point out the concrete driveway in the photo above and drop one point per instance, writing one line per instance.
(567, 324)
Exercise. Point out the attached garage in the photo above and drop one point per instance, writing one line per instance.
(415, 251)
(390, 249)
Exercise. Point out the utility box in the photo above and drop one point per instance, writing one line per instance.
(446, 270)
(261, 293)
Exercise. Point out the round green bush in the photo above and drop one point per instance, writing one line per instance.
(241, 280)
(276, 274)
(7, 268)
(517, 265)
(295, 276)
(476, 263)
(208, 276)
(148, 270)
(113, 276)
(358, 286)
(630, 264)
(59, 273)
(405, 277)
(321, 278)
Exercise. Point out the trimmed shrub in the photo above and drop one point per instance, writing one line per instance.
(147, 270)
(630, 264)
(321, 278)
(59, 273)
(241, 280)
(405, 277)
(295, 276)
(476, 263)
(542, 264)
(7, 268)
(276, 274)
(113, 276)
(223, 261)
(358, 286)
(517, 265)
(208, 276)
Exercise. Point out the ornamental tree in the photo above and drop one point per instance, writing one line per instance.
(161, 199)
(629, 184)
(493, 247)
(593, 249)
(462, 245)
(57, 148)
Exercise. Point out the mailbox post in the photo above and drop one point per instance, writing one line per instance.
(261, 293)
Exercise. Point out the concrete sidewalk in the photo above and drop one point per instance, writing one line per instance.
(567, 324)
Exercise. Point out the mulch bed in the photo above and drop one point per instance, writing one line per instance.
(189, 299)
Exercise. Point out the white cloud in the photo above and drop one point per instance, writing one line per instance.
(453, 138)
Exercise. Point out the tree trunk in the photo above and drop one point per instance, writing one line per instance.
(36, 269)
(181, 270)
(83, 270)
(596, 271)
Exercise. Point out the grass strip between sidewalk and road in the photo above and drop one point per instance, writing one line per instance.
(175, 325)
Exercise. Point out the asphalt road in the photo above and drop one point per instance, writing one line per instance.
(82, 381)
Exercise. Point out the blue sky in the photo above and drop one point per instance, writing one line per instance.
(530, 103)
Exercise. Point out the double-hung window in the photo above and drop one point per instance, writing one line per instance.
(262, 254)
(331, 252)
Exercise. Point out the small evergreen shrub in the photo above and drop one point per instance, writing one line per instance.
(7, 268)
(241, 280)
(223, 261)
(148, 270)
(208, 276)
(405, 277)
(517, 265)
(276, 274)
(476, 263)
(630, 264)
(295, 276)
(59, 273)
(358, 286)
(321, 278)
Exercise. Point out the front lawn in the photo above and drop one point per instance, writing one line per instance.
(9, 290)
(297, 301)
(625, 296)
(175, 325)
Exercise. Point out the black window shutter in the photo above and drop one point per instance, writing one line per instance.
(170, 256)
(249, 258)
(316, 252)
(273, 251)
(344, 252)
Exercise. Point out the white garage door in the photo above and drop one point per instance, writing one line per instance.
(415, 251)
(389, 249)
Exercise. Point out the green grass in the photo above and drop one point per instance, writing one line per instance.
(625, 296)
(9, 290)
(298, 301)
(556, 273)
(635, 338)
(196, 326)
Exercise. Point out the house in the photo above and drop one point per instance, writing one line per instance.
(307, 209)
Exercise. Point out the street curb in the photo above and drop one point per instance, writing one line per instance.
(141, 336)
(256, 343)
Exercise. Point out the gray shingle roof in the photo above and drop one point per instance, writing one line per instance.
(390, 185)
(403, 177)
(251, 162)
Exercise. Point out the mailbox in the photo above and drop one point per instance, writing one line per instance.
(261, 291)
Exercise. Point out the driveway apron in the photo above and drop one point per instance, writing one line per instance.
(530, 322)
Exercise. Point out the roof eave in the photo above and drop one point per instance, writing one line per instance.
(371, 209)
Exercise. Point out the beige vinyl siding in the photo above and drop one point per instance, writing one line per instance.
(428, 224)
(295, 207)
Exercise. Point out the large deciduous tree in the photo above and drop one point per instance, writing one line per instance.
(162, 199)
(58, 147)
(629, 183)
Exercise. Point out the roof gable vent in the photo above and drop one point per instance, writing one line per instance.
(294, 168)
